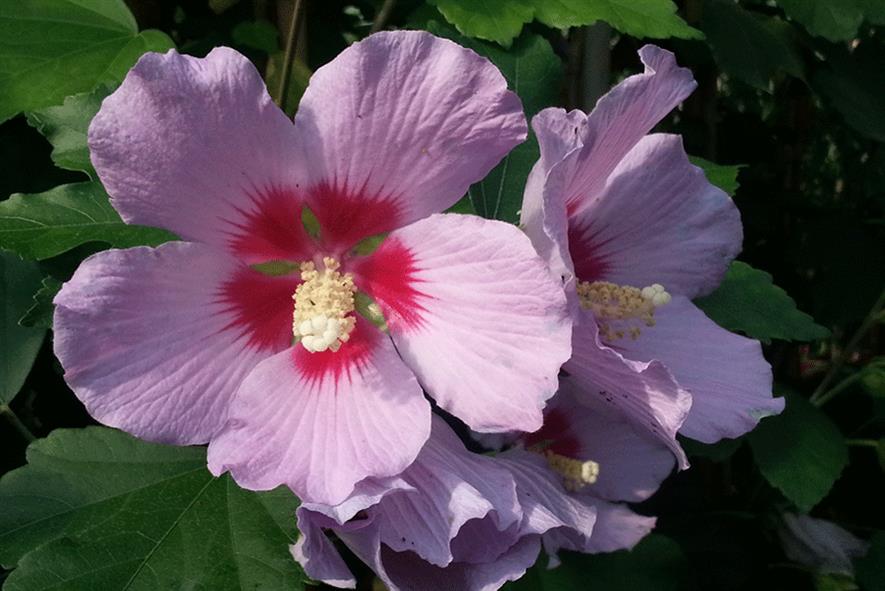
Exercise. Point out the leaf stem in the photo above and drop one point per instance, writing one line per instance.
(862, 443)
(867, 324)
(17, 423)
(289, 55)
(383, 16)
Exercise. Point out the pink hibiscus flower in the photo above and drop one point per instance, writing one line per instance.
(259, 332)
(635, 231)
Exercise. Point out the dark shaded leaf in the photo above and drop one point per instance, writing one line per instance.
(40, 313)
(749, 46)
(18, 345)
(801, 452)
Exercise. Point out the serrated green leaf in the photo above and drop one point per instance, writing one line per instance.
(502, 21)
(97, 509)
(749, 46)
(39, 315)
(723, 176)
(870, 569)
(800, 452)
(656, 19)
(65, 127)
(50, 49)
(747, 301)
(835, 21)
(533, 71)
(18, 345)
(46, 224)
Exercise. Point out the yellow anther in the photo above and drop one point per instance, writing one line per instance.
(575, 473)
(323, 307)
(619, 308)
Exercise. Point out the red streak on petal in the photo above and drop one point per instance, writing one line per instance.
(555, 435)
(271, 229)
(341, 364)
(347, 216)
(389, 275)
(261, 307)
(589, 265)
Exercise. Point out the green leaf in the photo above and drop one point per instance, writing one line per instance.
(65, 127)
(46, 224)
(800, 452)
(656, 19)
(40, 313)
(873, 10)
(870, 569)
(502, 21)
(750, 47)
(854, 84)
(50, 49)
(835, 21)
(18, 345)
(655, 564)
(723, 176)
(97, 509)
(534, 73)
(260, 35)
(747, 301)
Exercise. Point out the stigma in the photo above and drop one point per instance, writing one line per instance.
(575, 473)
(324, 306)
(621, 310)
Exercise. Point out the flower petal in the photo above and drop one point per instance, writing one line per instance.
(645, 392)
(617, 528)
(728, 377)
(579, 152)
(406, 118)
(620, 119)
(657, 220)
(317, 555)
(405, 571)
(545, 503)
(475, 314)
(454, 489)
(632, 464)
(322, 422)
(196, 146)
(150, 343)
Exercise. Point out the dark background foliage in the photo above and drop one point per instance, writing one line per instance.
(790, 104)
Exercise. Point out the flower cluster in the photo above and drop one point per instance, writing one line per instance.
(318, 297)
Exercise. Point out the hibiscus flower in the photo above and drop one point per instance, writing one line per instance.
(635, 231)
(316, 290)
